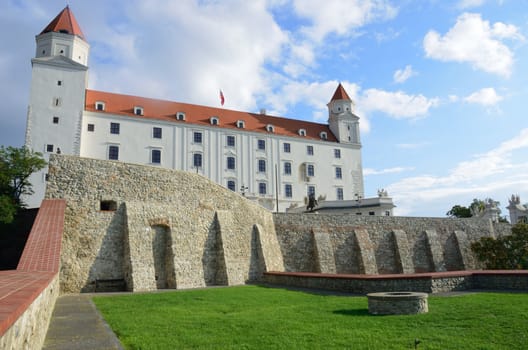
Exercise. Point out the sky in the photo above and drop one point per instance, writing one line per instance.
(440, 86)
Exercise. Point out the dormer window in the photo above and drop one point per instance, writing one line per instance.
(270, 128)
(100, 106)
(214, 121)
(323, 135)
(138, 110)
(302, 132)
(180, 116)
(241, 124)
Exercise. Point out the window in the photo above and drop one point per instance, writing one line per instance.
(214, 121)
(270, 128)
(338, 173)
(114, 128)
(138, 110)
(230, 140)
(262, 165)
(323, 135)
(241, 124)
(371, 213)
(156, 133)
(302, 132)
(231, 185)
(197, 137)
(339, 194)
(387, 213)
(156, 156)
(197, 160)
(113, 152)
(337, 153)
(49, 148)
(231, 163)
(310, 170)
(309, 150)
(56, 102)
(180, 116)
(262, 188)
(288, 192)
(59, 82)
(287, 168)
(108, 205)
(91, 127)
(262, 145)
(55, 120)
(286, 147)
(100, 106)
(311, 190)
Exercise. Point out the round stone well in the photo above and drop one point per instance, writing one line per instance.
(397, 303)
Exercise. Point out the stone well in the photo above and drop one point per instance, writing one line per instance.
(397, 303)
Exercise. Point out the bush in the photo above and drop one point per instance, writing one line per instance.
(507, 252)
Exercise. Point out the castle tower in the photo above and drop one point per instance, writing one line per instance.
(56, 102)
(341, 119)
(344, 124)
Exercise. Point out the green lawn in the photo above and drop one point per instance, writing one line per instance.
(252, 317)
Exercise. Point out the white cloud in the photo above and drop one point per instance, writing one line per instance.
(340, 17)
(486, 97)
(474, 41)
(496, 174)
(401, 75)
(397, 104)
(395, 170)
(464, 4)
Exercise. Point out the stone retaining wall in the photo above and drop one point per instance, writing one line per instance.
(379, 245)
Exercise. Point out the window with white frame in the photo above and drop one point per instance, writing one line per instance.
(310, 170)
(288, 191)
(262, 188)
(241, 124)
(302, 132)
(338, 173)
(156, 132)
(197, 160)
(230, 141)
(214, 121)
(231, 163)
(261, 145)
(310, 190)
(91, 127)
(180, 116)
(323, 135)
(155, 156)
(115, 128)
(286, 147)
(309, 150)
(339, 193)
(261, 165)
(270, 128)
(337, 153)
(287, 168)
(231, 184)
(49, 148)
(138, 110)
(197, 137)
(100, 106)
(113, 152)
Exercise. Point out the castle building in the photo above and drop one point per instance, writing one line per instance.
(276, 161)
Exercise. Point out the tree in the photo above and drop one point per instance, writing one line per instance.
(459, 211)
(505, 252)
(16, 165)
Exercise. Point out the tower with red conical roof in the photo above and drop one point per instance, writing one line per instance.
(341, 118)
(58, 86)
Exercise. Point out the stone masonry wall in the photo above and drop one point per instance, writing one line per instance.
(157, 228)
(382, 245)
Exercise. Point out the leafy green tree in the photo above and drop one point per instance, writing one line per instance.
(459, 211)
(16, 165)
(505, 252)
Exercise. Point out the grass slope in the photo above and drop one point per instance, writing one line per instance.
(252, 317)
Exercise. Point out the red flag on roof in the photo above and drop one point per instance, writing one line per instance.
(222, 99)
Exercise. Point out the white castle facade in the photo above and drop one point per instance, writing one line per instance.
(275, 161)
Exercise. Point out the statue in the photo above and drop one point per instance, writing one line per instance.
(312, 202)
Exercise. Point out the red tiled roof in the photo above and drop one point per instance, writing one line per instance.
(65, 22)
(119, 104)
(340, 94)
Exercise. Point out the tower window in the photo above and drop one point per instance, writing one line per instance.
(55, 120)
(59, 82)
(49, 148)
(114, 128)
(113, 152)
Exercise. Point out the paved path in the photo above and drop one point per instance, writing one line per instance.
(77, 325)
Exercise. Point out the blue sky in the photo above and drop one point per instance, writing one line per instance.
(440, 86)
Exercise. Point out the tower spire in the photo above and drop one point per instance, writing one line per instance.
(64, 22)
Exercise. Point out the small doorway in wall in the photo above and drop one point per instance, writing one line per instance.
(162, 255)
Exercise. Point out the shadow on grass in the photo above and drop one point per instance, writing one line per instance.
(352, 312)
